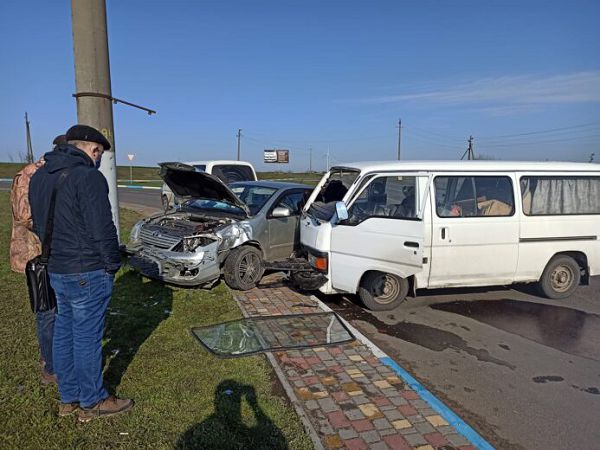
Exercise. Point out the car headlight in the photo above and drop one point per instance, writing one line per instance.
(134, 234)
(192, 243)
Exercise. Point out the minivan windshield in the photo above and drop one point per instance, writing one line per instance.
(338, 182)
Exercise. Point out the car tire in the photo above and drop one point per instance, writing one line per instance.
(243, 268)
(380, 291)
(560, 278)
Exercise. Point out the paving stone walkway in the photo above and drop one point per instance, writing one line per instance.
(350, 397)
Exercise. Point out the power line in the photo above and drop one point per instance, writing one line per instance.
(550, 130)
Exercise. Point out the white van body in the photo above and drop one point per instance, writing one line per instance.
(227, 171)
(507, 222)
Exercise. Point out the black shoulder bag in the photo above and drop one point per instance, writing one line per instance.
(41, 294)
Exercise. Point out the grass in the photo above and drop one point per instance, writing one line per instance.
(179, 388)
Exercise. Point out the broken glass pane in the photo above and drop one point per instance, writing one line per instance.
(268, 333)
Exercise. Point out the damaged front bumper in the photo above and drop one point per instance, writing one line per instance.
(197, 268)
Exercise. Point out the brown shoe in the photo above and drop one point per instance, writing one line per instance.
(48, 378)
(66, 409)
(108, 407)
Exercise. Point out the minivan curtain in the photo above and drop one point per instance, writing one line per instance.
(565, 195)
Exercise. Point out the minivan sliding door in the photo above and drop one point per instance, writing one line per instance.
(475, 231)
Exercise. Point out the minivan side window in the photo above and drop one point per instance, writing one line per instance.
(390, 196)
(560, 195)
(477, 196)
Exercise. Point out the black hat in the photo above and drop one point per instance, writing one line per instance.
(60, 139)
(87, 133)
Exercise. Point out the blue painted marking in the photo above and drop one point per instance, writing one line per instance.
(448, 415)
(131, 186)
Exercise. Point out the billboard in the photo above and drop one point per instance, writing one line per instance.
(277, 156)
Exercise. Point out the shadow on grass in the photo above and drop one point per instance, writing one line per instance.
(224, 429)
(137, 308)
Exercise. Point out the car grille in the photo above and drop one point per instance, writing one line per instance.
(153, 236)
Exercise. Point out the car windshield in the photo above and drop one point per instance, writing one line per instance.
(213, 205)
(253, 196)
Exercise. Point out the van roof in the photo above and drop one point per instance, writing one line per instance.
(512, 166)
(219, 162)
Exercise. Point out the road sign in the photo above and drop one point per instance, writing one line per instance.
(130, 156)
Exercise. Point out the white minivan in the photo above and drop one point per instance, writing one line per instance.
(385, 229)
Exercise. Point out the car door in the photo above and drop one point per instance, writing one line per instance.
(384, 231)
(475, 231)
(284, 231)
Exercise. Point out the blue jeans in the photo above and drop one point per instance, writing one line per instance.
(82, 300)
(44, 325)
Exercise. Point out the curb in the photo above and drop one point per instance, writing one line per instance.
(436, 404)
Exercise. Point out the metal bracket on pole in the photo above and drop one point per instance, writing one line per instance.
(114, 100)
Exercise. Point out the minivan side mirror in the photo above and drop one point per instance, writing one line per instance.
(281, 212)
(341, 211)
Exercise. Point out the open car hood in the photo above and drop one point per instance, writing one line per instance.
(186, 182)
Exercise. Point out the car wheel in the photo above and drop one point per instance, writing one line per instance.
(243, 268)
(381, 291)
(560, 278)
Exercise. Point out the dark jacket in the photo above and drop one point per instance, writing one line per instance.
(84, 237)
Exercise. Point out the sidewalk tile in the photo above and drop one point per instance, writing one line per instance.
(356, 444)
(436, 421)
(401, 424)
(397, 442)
(333, 441)
(371, 411)
(362, 425)
(436, 439)
(370, 436)
(415, 439)
(338, 419)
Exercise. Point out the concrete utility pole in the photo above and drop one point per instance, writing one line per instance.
(399, 136)
(92, 76)
(239, 137)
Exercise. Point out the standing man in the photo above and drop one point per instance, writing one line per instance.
(24, 246)
(84, 257)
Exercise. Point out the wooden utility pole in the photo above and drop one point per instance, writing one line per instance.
(92, 80)
(399, 136)
(239, 136)
(29, 156)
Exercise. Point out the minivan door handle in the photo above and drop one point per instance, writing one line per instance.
(411, 244)
(443, 233)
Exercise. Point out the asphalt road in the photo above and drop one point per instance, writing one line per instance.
(148, 198)
(522, 370)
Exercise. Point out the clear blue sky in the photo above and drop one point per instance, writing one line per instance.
(522, 77)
